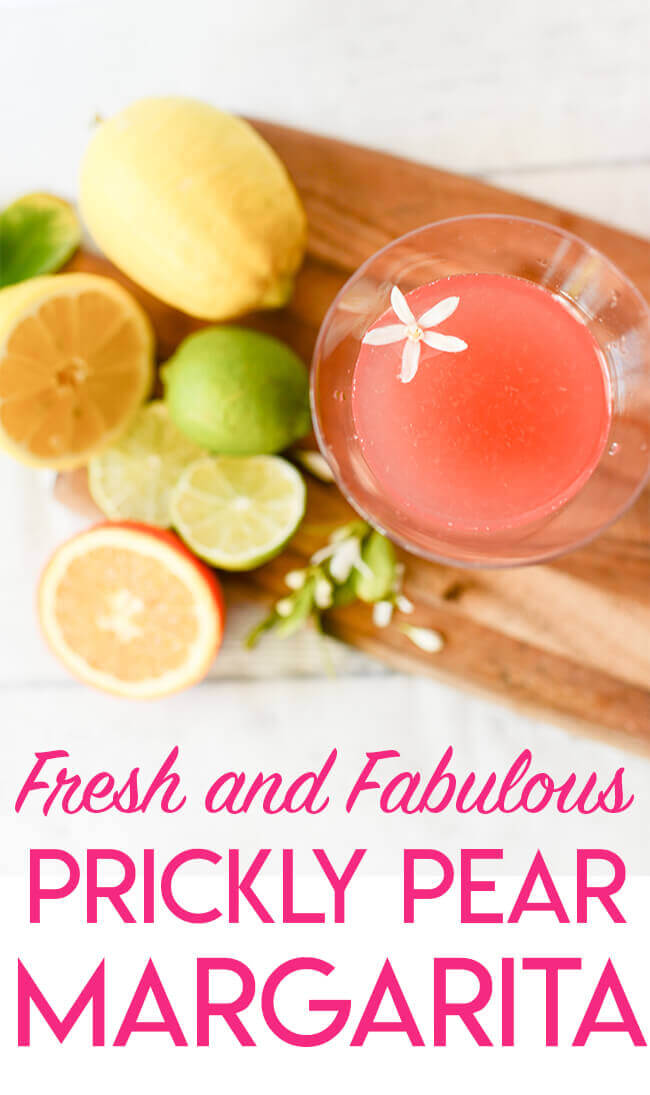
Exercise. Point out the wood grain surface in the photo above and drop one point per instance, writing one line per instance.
(569, 641)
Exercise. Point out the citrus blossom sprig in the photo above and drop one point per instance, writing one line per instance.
(357, 563)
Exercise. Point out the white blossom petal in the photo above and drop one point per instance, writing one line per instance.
(447, 343)
(424, 637)
(382, 613)
(410, 361)
(295, 579)
(322, 554)
(403, 604)
(400, 306)
(347, 554)
(284, 607)
(363, 567)
(382, 336)
(440, 311)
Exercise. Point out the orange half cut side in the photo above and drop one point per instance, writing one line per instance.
(129, 610)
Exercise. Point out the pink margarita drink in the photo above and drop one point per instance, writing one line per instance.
(481, 402)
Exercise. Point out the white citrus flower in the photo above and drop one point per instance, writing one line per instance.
(415, 331)
(343, 555)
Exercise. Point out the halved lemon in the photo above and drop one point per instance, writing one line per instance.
(128, 610)
(76, 362)
(237, 512)
(132, 480)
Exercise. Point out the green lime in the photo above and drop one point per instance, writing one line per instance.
(132, 480)
(38, 234)
(237, 392)
(236, 512)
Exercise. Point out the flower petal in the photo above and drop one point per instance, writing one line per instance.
(440, 311)
(381, 336)
(410, 361)
(424, 637)
(362, 568)
(382, 613)
(400, 307)
(447, 343)
(346, 555)
(322, 554)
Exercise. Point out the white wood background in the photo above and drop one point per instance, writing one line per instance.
(552, 99)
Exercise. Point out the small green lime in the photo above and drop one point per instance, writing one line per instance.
(237, 392)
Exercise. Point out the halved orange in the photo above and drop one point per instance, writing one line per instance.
(129, 610)
(76, 362)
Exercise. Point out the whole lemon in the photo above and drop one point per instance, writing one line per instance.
(237, 392)
(195, 206)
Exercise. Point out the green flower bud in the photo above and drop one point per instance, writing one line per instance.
(375, 581)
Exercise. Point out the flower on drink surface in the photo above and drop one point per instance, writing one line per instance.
(413, 332)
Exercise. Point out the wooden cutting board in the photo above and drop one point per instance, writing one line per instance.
(569, 641)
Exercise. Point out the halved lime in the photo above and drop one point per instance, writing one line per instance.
(133, 479)
(236, 512)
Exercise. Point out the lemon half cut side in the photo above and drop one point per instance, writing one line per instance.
(76, 362)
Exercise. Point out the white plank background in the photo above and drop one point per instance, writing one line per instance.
(550, 99)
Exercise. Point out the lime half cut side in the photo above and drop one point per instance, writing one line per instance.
(236, 512)
(133, 479)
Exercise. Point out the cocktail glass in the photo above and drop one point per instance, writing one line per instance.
(589, 284)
